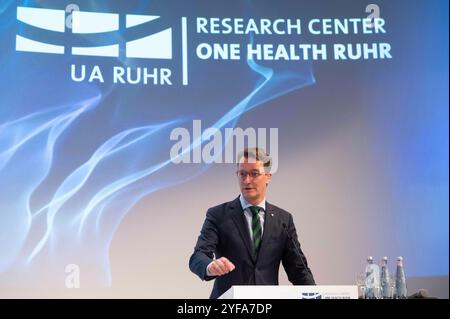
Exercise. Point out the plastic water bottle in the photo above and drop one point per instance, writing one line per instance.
(372, 282)
(385, 280)
(400, 280)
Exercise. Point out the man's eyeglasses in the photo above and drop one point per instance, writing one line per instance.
(253, 174)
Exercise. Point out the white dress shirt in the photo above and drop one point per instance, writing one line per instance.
(249, 217)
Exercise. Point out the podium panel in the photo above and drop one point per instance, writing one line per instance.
(291, 292)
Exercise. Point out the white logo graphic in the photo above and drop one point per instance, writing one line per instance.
(73, 276)
(153, 46)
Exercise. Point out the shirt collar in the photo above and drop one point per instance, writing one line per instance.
(246, 204)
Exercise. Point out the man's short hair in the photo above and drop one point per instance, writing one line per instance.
(256, 154)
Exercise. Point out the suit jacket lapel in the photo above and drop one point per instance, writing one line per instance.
(269, 227)
(241, 224)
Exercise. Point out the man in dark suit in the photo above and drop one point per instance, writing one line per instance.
(242, 242)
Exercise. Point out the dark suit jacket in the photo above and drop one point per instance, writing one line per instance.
(225, 233)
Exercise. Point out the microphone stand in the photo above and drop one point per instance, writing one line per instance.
(300, 255)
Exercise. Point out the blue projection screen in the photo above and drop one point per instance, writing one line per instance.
(120, 122)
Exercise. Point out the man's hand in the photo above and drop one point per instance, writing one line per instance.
(220, 267)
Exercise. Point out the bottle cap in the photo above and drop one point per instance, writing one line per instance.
(399, 258)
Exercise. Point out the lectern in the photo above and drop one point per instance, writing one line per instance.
(291, 292)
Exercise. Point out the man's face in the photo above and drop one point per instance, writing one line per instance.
(253, 180)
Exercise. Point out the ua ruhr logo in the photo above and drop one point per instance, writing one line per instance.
(153, 46)
(311, 295)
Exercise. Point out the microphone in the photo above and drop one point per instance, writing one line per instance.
(300, 255)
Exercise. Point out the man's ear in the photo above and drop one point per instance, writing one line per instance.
(269, 175)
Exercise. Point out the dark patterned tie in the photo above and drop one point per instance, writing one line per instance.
(256, 228)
